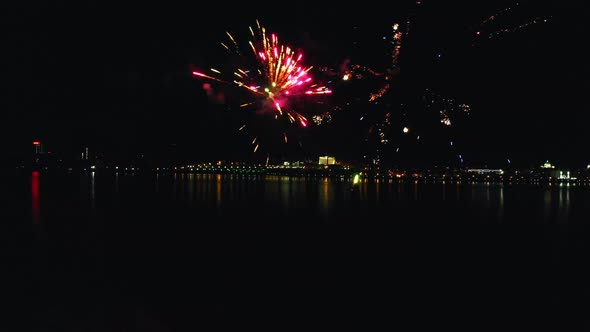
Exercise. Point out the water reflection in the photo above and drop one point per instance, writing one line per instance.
(564, 202)
(35, 202)
(500, 215)
(190, 186)
(157, 183)
(547, 209)
(325, 196)
(175, 184)
(377, 189)
(218, 190)
(93, 191)
(116, 182)
(237, 195)
(286, 192)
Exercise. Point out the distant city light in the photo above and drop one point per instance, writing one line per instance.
(36, 143)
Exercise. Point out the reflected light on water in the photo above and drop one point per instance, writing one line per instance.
(326, 197)
(326, 194)
(547, 204)
(35, 202)
(377, 187)
(564, 202)
(157, 182)
(500, 214)
(285, 191)
(92, 191)
(190, 186)
(218, 190)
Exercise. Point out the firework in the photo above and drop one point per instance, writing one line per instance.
(325, 117)
(273, 75)
(361, 72)
(396, 42)
(508, 20)
(446, 107)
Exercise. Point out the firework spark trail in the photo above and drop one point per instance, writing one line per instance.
(359, 72)
(396, 41)
(497, 26)
(196, 73)
(516, 28)
(498, 14)
(277, 77)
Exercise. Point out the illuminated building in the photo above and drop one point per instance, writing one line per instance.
(43, 159)
(85, 154)
(485, 171)
(327, 160)
(295, 164)
(37, 148)
(549, 171)
(547, 165)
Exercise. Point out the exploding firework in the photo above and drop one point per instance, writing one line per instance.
(272, 75)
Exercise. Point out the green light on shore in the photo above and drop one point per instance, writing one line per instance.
(355, 179)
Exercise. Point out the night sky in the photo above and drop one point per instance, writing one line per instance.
(118, 77)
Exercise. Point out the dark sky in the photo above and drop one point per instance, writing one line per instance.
(117, 76)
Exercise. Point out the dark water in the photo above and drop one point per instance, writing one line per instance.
(181, 252)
